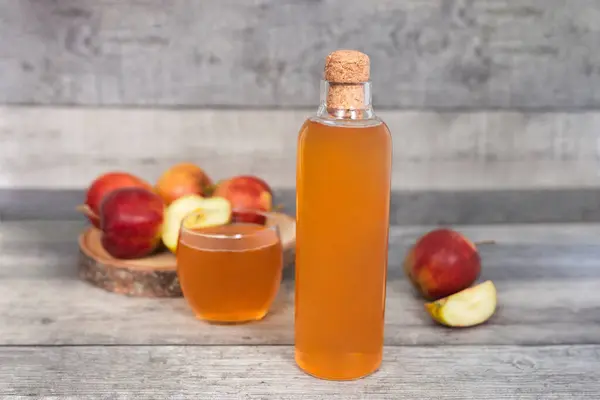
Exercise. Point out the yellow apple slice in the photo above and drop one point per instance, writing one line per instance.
(208, 212)
(214, 211)
(469, 307)
(174, 214)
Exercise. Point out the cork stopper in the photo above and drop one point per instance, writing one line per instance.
(347, 66)
(346, 71)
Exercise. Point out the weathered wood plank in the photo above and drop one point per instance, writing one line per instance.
(547, 277)
(67, 148)
(407, 207)
(474, 54)
(247, 372)
(61, 312)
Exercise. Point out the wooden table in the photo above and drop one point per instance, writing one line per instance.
(60, 337)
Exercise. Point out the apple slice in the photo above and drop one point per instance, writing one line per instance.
(469, 307)
(210, 212)
(214, 211)
(174, 214)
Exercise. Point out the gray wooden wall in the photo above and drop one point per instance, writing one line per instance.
(482, 96)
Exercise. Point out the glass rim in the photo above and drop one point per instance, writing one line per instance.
(232, 236)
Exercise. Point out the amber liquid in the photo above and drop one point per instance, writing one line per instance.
(343, 190)
(229, 279)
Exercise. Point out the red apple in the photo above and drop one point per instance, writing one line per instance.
(441, 263)
(131, 220)
(102, 186)
(182, 180)
(246, 192)
(248, 217)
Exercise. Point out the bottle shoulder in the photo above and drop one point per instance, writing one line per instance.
(315, 129)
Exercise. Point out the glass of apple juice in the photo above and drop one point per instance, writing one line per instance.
(229, 273)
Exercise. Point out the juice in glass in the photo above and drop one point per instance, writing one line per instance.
(230, 273)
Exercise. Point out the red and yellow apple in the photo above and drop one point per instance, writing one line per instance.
(441, 263)
(198, 212)
(181, 180)
(131, 221)
(104, 185)
(246, 193)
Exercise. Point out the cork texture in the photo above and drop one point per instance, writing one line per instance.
(347, 66)
(345, 97)
(346, 70)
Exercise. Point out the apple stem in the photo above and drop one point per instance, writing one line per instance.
(85, 209)
(209, 190)
(484, 242)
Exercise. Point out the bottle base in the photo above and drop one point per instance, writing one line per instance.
(338, 367)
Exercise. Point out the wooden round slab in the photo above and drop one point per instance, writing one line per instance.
(156, 275)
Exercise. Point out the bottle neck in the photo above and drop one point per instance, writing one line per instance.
(345, 100)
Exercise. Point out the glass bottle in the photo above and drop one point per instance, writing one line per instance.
(343, 193)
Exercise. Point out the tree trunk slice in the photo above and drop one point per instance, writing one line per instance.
(156, 275)
(153, 276)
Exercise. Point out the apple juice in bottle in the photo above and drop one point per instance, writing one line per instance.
(343, 191)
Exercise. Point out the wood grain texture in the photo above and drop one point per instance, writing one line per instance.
(427, 207)
(244, 372)
(547, 278)
(152, 276)
(67, 148)
(466, 54)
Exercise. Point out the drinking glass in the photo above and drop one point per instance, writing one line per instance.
(230, 273)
